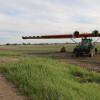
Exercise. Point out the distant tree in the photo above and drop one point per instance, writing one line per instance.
(7, 43)
(15, 44)
(28, 43)
(24, 43)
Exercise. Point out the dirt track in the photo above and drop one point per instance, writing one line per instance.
(8, 91)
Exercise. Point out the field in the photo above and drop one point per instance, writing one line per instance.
(42, 73)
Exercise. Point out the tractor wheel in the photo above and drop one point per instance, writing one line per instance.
(77, 54)
(96, 50)
(92, 53)
(95, 32)
(76, 33)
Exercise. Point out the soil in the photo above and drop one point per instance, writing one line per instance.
(90, 63)
(8, 91)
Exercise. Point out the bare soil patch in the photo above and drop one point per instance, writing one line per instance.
(8, 91)
(90, 63)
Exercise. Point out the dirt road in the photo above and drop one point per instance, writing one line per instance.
(8, 91)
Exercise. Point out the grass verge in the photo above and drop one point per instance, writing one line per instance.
(47, 79)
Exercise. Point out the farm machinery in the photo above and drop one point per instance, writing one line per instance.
(85, 47)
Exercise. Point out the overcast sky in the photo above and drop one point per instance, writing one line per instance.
(39, 17)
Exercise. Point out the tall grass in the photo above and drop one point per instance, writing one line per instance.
(47, 79)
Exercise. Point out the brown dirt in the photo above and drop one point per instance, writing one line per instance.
(90, 63)
(8, 91)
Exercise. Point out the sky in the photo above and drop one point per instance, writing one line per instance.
(41, 17)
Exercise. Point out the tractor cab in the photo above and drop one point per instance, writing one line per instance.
(86, 42)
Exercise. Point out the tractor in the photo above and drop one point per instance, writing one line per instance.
(85, 47)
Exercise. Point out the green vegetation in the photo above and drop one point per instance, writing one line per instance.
(47, 79)
(40, 77)
(3, 53)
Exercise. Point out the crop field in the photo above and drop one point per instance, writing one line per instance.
(41, 72)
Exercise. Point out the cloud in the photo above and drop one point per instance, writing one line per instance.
(38, 17)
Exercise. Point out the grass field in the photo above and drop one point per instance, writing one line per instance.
(36, 74)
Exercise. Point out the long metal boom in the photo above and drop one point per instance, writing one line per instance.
(83, 35)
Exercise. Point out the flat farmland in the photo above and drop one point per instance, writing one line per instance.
(41, 72)
(53, 51)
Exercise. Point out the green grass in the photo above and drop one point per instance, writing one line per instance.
(47, 79)
(7, 53)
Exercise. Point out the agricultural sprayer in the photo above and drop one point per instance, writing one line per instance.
(85, 47)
